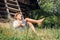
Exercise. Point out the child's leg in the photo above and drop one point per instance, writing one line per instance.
(31, 20)
(34, 21)
(32, 27)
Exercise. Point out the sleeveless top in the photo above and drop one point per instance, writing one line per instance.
(15, 23)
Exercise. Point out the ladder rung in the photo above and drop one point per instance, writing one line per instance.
(12, 13)
(13, 0)
(13, 8)
(12, 4)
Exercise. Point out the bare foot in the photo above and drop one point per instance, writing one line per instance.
(40, 21)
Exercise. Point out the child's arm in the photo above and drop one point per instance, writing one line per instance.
(17, 25)
(23, 25)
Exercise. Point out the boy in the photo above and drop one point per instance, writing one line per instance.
(22, 23)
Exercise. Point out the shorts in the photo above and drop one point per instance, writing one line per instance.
(26, 26)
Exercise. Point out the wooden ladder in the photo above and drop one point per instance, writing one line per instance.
(12, 7)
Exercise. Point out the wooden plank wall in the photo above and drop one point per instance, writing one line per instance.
(25, 5)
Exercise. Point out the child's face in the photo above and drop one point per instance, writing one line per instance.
(19, 16)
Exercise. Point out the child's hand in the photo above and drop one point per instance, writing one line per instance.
(21, 24)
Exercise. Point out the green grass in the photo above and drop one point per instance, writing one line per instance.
(44, 34)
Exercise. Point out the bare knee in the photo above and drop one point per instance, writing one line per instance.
(30, 24)
(26, 19)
